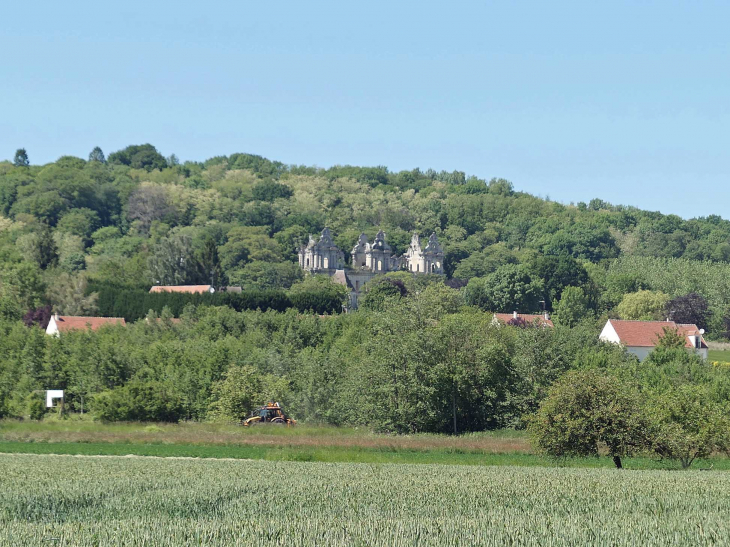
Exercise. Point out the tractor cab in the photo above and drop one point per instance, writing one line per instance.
(270, 413)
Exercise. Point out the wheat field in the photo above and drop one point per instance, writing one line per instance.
(105, 501)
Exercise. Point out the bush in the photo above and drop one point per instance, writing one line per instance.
(687, 424)
(139, 400)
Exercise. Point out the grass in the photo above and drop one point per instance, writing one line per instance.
(300, 436)
(84, 502)
(718, 355)
(300, 443)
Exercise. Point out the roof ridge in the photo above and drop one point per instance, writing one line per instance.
(90, 316)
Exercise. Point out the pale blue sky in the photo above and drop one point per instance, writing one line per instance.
(626, 101)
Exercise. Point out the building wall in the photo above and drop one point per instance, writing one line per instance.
(642, 352)
(52, 327)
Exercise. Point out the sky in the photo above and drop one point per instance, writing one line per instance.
(624, 101)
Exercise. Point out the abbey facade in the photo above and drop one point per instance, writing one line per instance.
(368, 260)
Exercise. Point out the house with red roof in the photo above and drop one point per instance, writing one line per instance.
(529, 318)
(641, 337)
(65, 323)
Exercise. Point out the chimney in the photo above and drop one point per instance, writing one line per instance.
(55, 316)
(514, 315)
(547, 316)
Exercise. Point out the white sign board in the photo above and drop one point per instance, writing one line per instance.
(53, 394)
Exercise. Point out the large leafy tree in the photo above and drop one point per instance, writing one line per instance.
(139, 156)
(643, 306)
(509, 288)
(687, 424)
(173, 262)
(589, 408)
(558, 272)
(210, 263)
(689, 308)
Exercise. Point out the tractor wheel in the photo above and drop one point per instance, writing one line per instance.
(277, 421)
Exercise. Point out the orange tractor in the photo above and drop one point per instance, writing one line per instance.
(270, 413)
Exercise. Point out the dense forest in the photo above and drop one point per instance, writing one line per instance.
(91, 236)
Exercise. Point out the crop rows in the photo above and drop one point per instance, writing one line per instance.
(85, 501)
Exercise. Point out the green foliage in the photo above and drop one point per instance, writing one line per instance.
(586, 409)
(687, 424)
(21, 158)
(142, 400)
(671, 338)
(134, 304)
(68, 296)
(97, 155)
(142, 156)
(382, 293)
(241, 391)
(509, 288)
(318, 294)
(35, 406)
(643, 306)
(572, 308)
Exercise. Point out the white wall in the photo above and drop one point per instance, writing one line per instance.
(52, 327)
(642, 352)
(609, 334)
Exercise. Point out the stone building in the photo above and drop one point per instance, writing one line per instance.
(321, 256)
(428, 260)
(368, 260)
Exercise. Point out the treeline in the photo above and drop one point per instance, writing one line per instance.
(423, 361)
(134, 304)
(138, 218)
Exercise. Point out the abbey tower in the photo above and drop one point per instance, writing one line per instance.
(369, 260)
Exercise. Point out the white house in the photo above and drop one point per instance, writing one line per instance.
(641, 337)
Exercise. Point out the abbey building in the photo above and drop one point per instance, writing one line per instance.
(369, 259)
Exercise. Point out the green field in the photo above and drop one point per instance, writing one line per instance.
(85, 501)
(719, 355)
(300, 443)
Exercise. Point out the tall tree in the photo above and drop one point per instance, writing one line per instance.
(174, 263)
(68, 296)
(97, 155)
(39, 247)
(211, 265)
(21, 158)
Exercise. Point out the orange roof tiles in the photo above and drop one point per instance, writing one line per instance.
(191, 289)
(647, 333)
(71, 322)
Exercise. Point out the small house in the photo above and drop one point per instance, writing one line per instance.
(641, 337)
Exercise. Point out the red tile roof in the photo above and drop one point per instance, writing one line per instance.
(192, 289)
(71, 322)
(647, 333)
(528, 317)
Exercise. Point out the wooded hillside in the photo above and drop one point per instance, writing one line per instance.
(138, 218)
